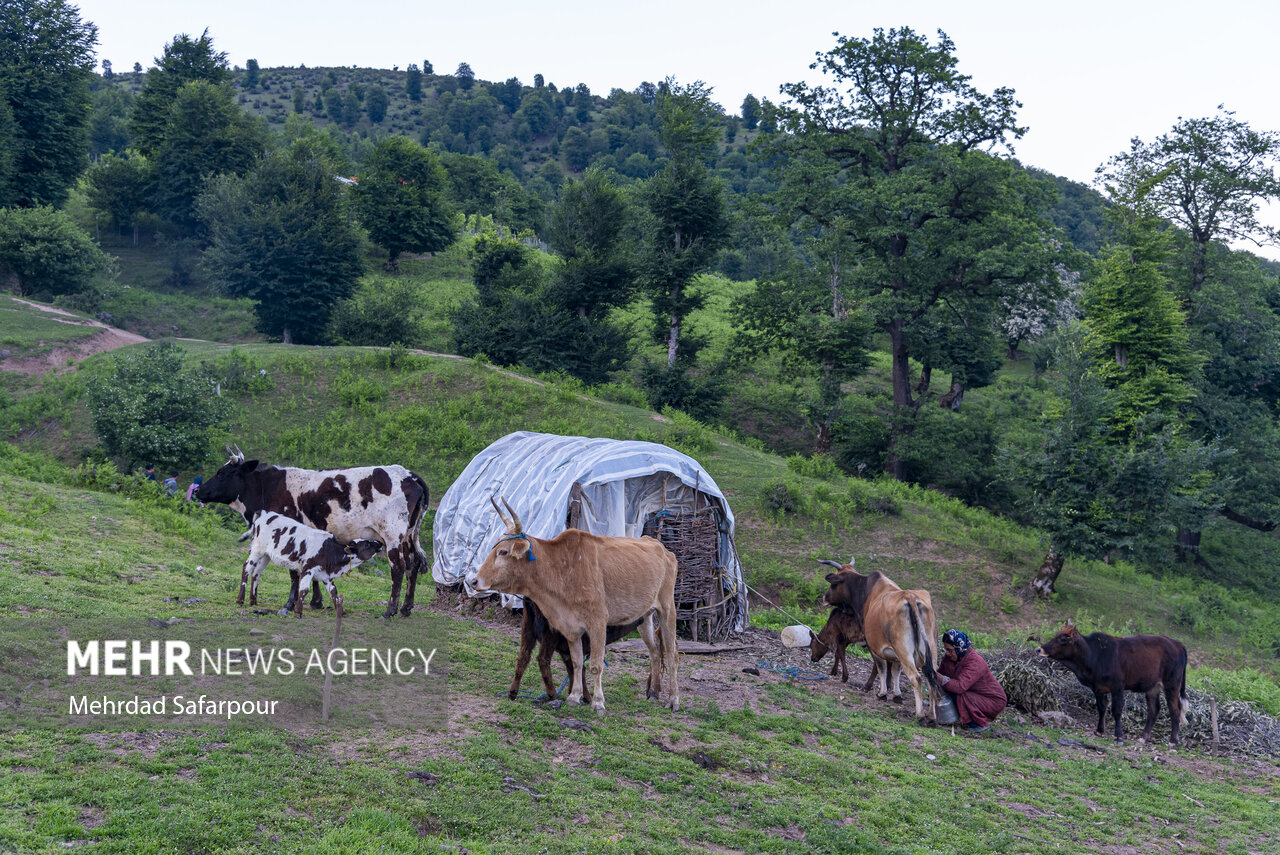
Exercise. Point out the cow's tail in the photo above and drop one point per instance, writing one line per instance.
(923, 643)
(1182, 686)
(416, 514)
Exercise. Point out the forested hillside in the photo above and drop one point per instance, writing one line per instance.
(873, 286)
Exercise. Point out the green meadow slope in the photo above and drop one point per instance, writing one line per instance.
(764, 763)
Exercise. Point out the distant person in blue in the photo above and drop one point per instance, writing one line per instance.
(171, 483)
(150, 472)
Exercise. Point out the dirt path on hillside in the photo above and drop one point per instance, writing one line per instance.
(56, 360)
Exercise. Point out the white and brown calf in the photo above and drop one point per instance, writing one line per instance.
(311, 554)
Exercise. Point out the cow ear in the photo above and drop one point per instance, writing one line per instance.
(249, 465)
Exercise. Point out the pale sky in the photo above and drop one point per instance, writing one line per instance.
(1090, 75)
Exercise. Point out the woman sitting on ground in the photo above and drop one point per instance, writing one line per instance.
(965, 675)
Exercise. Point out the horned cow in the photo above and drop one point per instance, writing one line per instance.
(585, 583)
(1137, 663)
(380, 503)
(899, 626)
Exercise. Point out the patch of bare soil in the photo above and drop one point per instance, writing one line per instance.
(124, 742)
(57, 359)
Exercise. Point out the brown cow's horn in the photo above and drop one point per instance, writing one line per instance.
(501, 515)
(1070, 622)
(831, 563)
(515, 519)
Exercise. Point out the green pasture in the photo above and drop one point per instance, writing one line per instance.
(788, 770)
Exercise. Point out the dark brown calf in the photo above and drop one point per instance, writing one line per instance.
(536, 632)
(841, 630)
(1136, 663)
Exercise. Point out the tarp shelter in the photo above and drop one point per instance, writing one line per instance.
(604, 486)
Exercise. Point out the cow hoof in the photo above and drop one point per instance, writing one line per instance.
(406, 611)
(673, 705)
(284, 612)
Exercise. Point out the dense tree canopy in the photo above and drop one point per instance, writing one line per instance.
(892, 154)
(283, 236)
(1208, 175)
(185, 59)
(401, 200)
(44, 253)
(46, 61)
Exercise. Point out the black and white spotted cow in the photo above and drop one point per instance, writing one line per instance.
(313, 554)
(381, 503)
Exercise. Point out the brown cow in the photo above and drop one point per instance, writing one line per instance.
(585, 583)
(1138, 663)
(899, 627)
(840, 630)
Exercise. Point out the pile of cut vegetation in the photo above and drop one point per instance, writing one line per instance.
(1034, 685)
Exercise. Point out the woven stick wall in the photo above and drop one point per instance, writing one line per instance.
(705, 607)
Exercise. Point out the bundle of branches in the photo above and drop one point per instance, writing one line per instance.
(1035, 685)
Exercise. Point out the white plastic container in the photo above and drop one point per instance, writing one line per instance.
(796, 636)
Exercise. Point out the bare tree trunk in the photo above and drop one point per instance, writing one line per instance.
(286, 337)
(926, 377)
(1188, 546)
(902, 402)
(1047, 575)
(951, 400)
(673, 341)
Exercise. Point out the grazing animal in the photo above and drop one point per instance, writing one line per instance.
(536, 632)
(899, 626)
(583, 583)
(840, 630)
(1137, 663)
(306, 551)
(382, 503)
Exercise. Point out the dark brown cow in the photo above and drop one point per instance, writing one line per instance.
(382, 503)
(1136, 663)
(585, 583)
(536, 632)
(840, 630)
(899, 627)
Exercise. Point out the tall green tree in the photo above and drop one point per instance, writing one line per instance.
(587, 229)
(251, 74)
(122, 187)
(892, 153)
(401, 200)
(1135, 327)
(376, 102)
(686, 221)
(184, 60)
(1207, 175)
(205, 135)
(413, 82)
(152, 408)
(1099, 492)
(284, 235)
(46, 62)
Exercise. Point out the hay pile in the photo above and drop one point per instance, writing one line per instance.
(1035, 685)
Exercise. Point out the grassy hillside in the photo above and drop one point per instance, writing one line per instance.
(750, 764)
